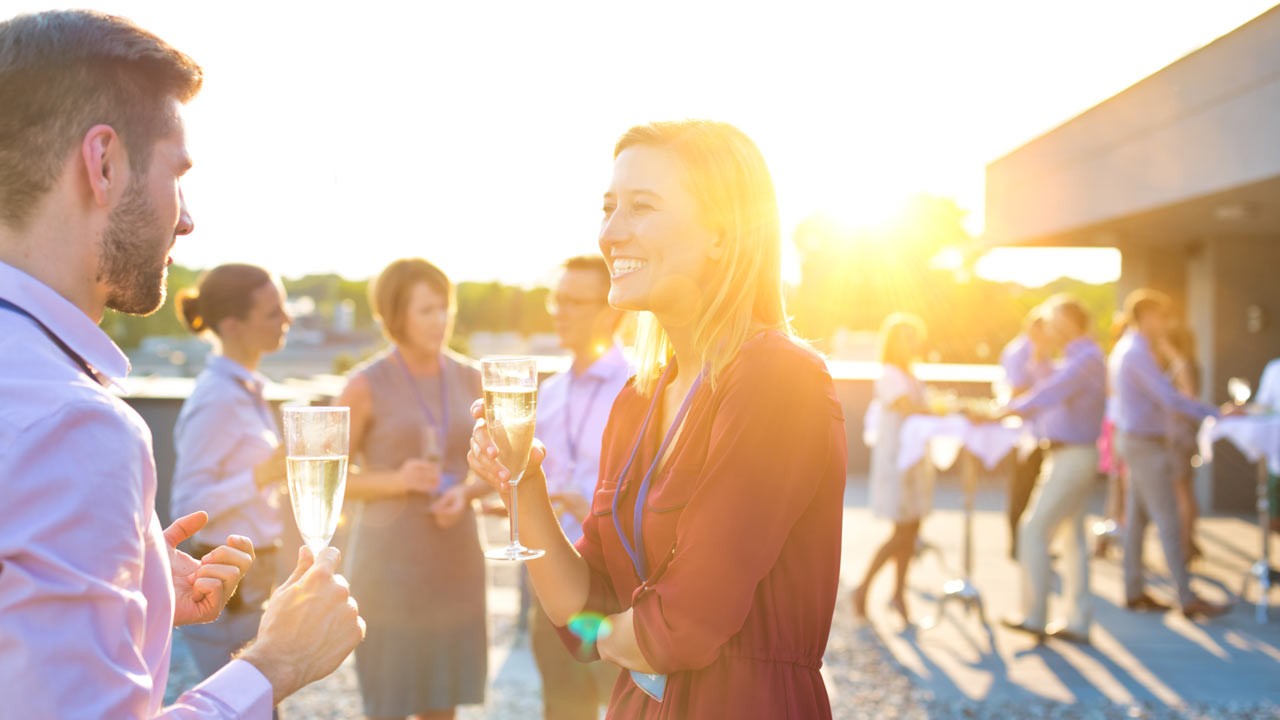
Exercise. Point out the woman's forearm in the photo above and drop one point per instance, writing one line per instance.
(561, 577)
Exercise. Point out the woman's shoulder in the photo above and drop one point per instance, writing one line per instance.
(461, 362)
(772, 352)
(374, 364)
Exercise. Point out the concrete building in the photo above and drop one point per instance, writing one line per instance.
(1181, 172)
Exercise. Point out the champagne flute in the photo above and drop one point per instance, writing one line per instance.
(316, 443)
(1239, 390)
(510, 407)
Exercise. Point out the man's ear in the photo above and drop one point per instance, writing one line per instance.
(106, 164)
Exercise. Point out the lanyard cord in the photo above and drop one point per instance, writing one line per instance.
(63, 346)
(573, 438)
(442, 426)
(635, 550)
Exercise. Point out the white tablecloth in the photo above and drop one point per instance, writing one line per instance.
(1255, 435)
(942, 438)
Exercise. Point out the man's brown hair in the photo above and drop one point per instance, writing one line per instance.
(1145, 300)
(63, 72)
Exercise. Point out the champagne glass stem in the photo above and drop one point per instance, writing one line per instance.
(515, 516)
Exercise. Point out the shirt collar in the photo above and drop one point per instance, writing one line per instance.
(608, 364)
(224, 365)
(66, 321)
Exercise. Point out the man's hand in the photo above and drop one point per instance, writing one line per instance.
(310, 626)
(203, 587)
(448, 508)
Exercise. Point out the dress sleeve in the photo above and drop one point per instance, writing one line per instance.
(769, 452)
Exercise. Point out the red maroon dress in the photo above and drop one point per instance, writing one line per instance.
(741, 534)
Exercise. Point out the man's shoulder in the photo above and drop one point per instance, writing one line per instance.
(37, 382)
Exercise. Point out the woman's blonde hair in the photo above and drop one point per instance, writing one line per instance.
(728, 178)
(893, 335)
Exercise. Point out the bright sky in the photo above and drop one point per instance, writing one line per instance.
(335, 137)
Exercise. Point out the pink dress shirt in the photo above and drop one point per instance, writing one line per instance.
(86, 593)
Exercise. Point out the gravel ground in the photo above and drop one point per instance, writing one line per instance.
(864, 681)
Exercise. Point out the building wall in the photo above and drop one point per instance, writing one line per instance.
(1203, 125)
(1237, 276)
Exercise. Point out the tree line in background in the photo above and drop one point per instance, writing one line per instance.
(920, 262)
(850, 278)
(482, 307)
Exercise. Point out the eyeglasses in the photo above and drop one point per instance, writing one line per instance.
(557, 303)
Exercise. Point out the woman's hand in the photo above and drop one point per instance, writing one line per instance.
(419, 476)
(448, 508)
(483, 458)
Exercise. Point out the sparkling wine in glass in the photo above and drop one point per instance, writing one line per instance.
(510, 408)
(316, 444)
(1239, 390)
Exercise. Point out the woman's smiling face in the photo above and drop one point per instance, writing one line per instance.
(653, 235)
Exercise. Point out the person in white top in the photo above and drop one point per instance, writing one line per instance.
(1268, 397)
(93, 152)
(573, 407)
(230, 461)
(902, 497)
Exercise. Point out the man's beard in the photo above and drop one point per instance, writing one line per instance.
(129, 264)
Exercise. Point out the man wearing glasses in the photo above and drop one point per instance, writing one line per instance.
(573, 407)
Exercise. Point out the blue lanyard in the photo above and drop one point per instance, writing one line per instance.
(442, 427)
(63, 346)
(636, 551)
(573, 439)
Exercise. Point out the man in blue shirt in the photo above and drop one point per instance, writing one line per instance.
(1144, 398)
(1067, 407)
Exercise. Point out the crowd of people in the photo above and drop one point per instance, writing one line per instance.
(688, 496)
(1131, 416)
(689, 504)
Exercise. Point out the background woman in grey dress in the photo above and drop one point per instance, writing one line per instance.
(414, 557)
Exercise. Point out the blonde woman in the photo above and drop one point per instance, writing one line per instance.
(712, 549)
(901, 497)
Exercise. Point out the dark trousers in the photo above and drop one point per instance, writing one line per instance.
(1021, 484)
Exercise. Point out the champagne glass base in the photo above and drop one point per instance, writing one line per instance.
(515, 553)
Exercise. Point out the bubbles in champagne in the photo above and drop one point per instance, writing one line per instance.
(510, 413)
(316, 487)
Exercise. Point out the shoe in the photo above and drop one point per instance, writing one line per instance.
(1199, 609)
(1062, 633)
(1146, 603)
(1023, 627)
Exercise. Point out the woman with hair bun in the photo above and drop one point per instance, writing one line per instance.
(230, 461)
